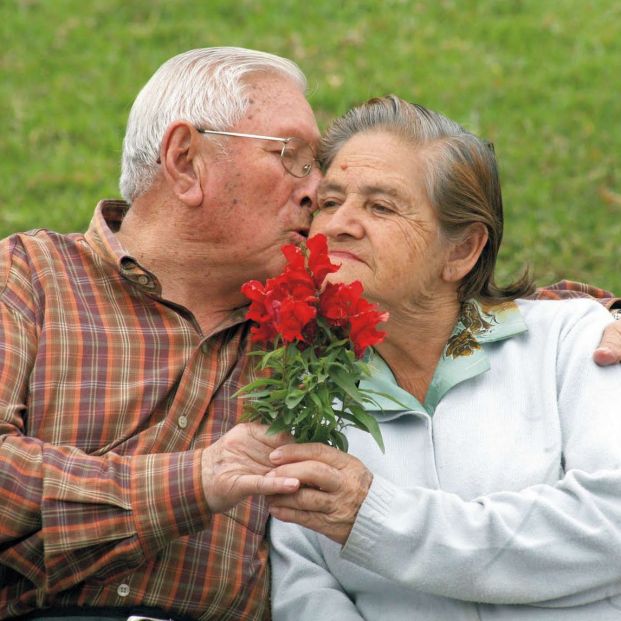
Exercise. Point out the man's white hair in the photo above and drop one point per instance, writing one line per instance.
(206, 87)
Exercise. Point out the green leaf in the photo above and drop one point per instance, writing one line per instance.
(294, 398)
(346, 382)
(259, 394)
(257, 352)
(386, 396)
(277, 426)
(302, 415)
(364, 421)
(262, 381)
(314, 397)
(372, 426)
(339, 440)
(272, 356)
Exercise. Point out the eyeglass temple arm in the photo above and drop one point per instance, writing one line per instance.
(240, 135)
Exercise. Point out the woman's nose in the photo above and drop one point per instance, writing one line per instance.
(343, 221)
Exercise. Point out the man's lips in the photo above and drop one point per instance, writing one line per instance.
(299, 236)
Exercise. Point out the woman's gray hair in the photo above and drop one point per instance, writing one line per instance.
(461, 178)
(206, 87)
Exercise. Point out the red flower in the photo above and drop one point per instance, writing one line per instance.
(318, 260)
(295, 258)
(259, 312)
(338, 302)
(293, 317)
(285, 304)
(363, 332)
(343, 306)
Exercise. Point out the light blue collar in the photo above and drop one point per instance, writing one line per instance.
(463, 357)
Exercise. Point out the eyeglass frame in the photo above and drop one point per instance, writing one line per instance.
(308, 167)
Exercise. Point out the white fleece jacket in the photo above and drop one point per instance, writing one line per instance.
(505, 503)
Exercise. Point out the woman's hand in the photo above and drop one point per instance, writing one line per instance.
(333, 486)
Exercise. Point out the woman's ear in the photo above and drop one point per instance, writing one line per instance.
(465, 253)
(180, 165)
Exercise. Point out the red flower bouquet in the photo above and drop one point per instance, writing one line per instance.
(315, 337)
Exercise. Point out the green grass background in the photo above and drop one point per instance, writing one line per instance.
(540, 78)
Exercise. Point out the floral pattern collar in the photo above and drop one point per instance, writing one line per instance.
(464, 357)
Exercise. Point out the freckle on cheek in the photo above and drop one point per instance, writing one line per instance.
(343, 166)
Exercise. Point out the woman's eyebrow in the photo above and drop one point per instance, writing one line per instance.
(380, 189)
(329, 186)
(334, 186)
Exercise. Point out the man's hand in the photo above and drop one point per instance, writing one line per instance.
(609, 350)
(235, 467)
(335, 484)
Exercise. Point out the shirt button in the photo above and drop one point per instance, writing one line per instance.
(123, 590)
(182, 421)
(205, 347)
(143, 280)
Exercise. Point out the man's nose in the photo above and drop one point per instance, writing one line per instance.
(308, 195)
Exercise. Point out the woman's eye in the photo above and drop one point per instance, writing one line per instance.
(381, 209)
(327, 203)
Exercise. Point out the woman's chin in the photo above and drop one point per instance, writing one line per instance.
(344, 276)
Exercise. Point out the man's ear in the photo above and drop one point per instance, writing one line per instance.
(465, 253)
(180, 164)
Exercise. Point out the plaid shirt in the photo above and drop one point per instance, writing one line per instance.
(107, 396)
(567, 289)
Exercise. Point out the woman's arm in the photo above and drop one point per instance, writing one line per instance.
(302, 586)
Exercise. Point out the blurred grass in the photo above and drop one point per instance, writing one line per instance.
(539, 79)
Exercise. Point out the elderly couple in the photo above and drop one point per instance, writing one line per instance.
(128, 486)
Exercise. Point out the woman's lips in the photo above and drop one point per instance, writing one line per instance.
(345, 255)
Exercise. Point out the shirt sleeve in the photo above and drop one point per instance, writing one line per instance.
(568, 289)
(547, 545)
(66, 515)
(302, 586)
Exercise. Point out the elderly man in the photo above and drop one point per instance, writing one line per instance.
(126, 479)
(128, 486)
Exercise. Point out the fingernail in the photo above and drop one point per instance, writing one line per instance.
(276, 455)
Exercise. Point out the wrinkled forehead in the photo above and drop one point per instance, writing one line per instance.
(376, 153)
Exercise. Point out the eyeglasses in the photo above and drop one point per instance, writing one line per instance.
(297, 156)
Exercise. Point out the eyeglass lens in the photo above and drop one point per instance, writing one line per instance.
(297, 157)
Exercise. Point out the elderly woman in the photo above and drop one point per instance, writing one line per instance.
(499, 493)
